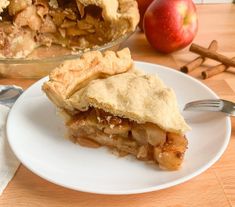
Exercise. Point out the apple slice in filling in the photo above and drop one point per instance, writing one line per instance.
(95, 127)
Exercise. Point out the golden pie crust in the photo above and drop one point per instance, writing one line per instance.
(107, 102)
(142, 98)
(72, 75)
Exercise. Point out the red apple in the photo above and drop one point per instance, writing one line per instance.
(143, 5)
(170, 25)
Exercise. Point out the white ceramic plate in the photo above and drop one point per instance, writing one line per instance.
(36, 135)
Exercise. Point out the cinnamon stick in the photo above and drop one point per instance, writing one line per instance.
(212, 54)
(199, 60)
(215, 70)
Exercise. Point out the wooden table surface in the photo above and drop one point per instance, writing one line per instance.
(215, 187)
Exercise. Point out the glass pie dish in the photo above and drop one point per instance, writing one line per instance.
(37, 35)
(44, 59)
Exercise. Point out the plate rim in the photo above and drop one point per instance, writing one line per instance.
(135, 191)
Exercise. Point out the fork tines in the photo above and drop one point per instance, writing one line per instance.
(213, 104)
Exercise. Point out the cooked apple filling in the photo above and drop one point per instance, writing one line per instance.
(95, 127)
(74, 24)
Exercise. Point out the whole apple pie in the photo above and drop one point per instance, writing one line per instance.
(106, 102)
(74, 24)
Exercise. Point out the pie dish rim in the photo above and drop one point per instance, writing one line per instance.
(61, 58)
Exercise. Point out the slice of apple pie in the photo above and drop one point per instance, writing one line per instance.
(106, 102)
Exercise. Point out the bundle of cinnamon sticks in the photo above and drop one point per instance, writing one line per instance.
(210, 52)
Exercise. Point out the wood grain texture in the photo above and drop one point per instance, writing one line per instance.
(215, 187)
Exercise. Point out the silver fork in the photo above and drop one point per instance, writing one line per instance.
(214, 105)
(9, 94)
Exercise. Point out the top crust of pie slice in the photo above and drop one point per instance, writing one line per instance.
(72, 75)
(133, 95)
